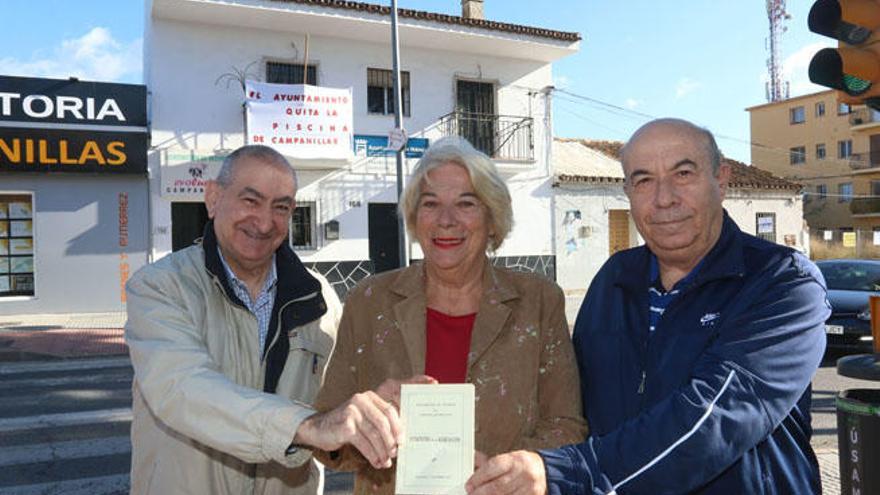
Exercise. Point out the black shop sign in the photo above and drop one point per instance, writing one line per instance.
(53, 125)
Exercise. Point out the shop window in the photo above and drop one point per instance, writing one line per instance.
(797, 155)
(380, 91)
(820, 151)
(16, 244)
(303, 227)
(797, 115)
(766, 226)
(285, 73)
(820, 108)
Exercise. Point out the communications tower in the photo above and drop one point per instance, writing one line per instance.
(777, 89)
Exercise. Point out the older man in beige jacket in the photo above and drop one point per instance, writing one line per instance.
(229, 339)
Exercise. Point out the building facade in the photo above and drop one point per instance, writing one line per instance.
(834, 150)
(593, 221)
(73, 194)
(488, 82)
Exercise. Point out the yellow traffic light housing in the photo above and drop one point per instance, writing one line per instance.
(852, 68)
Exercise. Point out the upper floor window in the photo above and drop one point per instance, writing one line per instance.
(822, 191)
(843, 109)
(797, 155)
(820, 108)
(286, 73)
(820, 151)
(380, 91)
(844, 148)
(845, 192)
(796, 115)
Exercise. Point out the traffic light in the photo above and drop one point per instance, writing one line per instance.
(852, 68)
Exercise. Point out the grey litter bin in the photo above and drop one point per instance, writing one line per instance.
(858, 438)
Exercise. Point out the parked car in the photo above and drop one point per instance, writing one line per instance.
(850, 283)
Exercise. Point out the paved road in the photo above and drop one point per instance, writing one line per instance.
(64, 428)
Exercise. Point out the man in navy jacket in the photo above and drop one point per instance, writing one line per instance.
(696, 351)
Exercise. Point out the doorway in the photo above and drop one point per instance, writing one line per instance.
(383, 236)
(874, 149)
(187, 223)
(618, 231)
(475, 103)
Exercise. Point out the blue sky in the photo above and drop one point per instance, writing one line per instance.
(700, 60)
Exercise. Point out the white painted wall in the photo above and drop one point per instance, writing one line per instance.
(192, 111)
(575, 268)
(743, 205)
(577, 264)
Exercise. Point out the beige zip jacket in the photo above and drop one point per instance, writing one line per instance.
(202, 423)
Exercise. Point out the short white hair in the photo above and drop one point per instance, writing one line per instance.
(488, 184)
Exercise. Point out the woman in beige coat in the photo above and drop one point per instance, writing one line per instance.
(457, 318)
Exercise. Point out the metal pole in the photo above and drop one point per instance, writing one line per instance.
(306, 62)
(398, 123)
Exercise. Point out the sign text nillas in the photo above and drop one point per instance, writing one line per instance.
(70, 142)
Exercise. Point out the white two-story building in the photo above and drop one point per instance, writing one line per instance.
(487, 81)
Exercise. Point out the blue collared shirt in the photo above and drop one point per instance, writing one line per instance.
(658, 297)
(262, 306)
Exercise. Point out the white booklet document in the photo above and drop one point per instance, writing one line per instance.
(437, 455)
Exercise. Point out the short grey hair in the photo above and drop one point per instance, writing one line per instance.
(489, 186)
(257, 152)
(710, 146)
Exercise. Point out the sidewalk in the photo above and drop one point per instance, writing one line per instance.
(60, 336)
(64, 336)
(829, 465)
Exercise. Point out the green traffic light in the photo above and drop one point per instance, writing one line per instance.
(855, 86)
(826, 68)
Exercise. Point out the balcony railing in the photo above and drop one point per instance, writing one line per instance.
(864, 206)
(861, 161)
(502, 137)
(864, 116)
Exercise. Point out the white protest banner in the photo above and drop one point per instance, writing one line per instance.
(300, 120)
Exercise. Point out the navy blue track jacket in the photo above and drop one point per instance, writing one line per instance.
(717, 399)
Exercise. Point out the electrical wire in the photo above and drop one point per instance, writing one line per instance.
(644, 117)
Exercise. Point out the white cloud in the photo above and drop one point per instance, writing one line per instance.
(93, 56)
(685, 87)
(561, 82)
(795, 66)
(631, 103)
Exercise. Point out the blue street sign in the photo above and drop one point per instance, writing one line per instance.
(377, 146)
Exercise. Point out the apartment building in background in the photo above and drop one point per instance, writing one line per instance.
(833, 150)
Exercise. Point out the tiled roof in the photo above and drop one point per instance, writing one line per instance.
(443, 18)
(742, 176)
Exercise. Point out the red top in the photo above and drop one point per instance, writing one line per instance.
(447, 346)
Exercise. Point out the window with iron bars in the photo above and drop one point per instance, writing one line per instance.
(303, 226)
(287, 73)
(765, 226)
(380, 92)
